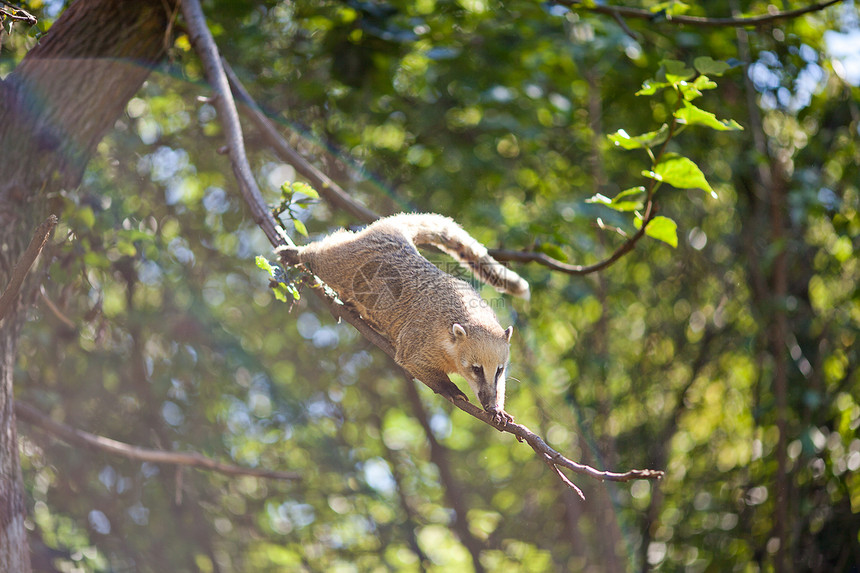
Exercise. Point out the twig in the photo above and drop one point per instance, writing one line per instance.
(330, 191)
(17, 14)
(208, 52)
(504, 255)
(58, 314)
(642, 14)
(550, 455)
(79, 437)
(204, 44)
(40, 237)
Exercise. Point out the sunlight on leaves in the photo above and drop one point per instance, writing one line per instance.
(680, 172)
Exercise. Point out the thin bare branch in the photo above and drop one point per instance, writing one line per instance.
(504, 255)
(79, 437)
(204, 44)
(37, 243)
(642, 14)
(327, 188)
(54, 309)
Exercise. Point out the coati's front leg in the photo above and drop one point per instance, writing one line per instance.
(411, 352)
(437, 380)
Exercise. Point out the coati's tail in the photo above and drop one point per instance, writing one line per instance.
(445, 234)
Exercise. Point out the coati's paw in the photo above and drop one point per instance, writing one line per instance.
(500, 417)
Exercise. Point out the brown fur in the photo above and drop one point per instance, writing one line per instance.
(438, 324)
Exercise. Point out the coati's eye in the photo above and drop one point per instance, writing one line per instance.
(499, 371)
(477, 370)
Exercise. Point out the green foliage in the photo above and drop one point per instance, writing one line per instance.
(672, 168)
(296, 196)
(166, 335)
(281, 287)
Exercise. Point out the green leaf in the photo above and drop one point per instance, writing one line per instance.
(305, 189)
(663, 229)
(704, 83)
(280, 291)
(290, 188)
(263, 263)
(622, 139)
(708, 65)
(692, 115)
(629, 192)
(674, 71)
(300, 227)
(650, 87)
(680, 172)
(692, 90)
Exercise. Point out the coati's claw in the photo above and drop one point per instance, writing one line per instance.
(501, 418)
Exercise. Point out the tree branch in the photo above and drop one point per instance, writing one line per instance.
(78, 437)
(504, 255)
(22, 267)
(17, 14)
(330, 191)
(642, 14)
(204, 45)
(208, 52)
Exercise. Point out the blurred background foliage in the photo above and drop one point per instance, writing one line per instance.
(156, 328)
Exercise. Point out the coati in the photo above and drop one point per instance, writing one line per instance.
(438, 324)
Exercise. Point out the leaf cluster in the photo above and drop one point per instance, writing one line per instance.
(685, 84)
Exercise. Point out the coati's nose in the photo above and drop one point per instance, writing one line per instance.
(487, 401)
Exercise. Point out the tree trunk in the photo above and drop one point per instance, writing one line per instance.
(54, 109)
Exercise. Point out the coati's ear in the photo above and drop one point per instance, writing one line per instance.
(458, 331)
(508, 332)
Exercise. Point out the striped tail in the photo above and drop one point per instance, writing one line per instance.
(448, 236)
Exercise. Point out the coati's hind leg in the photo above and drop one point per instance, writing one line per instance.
(438, 381)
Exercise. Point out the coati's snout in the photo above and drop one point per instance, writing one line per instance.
(483, 360)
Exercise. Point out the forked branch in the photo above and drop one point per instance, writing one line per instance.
(208, 53)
